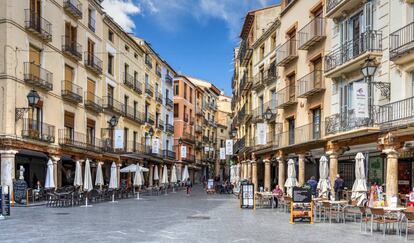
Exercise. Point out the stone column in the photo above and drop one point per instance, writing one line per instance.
(267, 183)
(151, 175)
(160, 170)
(55, 160)
(217, 174)
(301, 169)
(333, 167)
(392, 174)
(253, 164)
(281, 162)
(8, 170)
(249, 170)
(118, 171)
(179, 171)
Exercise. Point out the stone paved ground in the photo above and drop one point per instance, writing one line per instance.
(169, 219)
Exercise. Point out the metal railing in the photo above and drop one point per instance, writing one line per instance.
(343, 122)
(74, 7)
(310, 84)
(189, 136)
(129, 80)
(93, 102)
(311, 33)
(134, 114)
(138, 86)
(169, 102)
(270, 74)
(37, 76)
(41, 131)
(396, 113)
(331, 4)
(286, 96)
(245, 51)
(158, 72)
(91, 23)
(402, 41)
(286, 52)
(245, 82)
(112, 105)
(93, 62)
(158, 97)
(79, 140)
(186, 117)
(160, 124)
(258, 112)
(149, 89)
(198, 129)
(71, 91)
(370, 41)
(149, 118)
(258, 80)
(168, 154)
(71, 47)
(36, 23)
(169, 128)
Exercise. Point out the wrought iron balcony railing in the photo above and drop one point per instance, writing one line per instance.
(149, 89)
(286, 96)
(395, 114)
(149, 118)
(311, 33)
(71, 47)
(402, 41)
(370, 41)
(169, 128)
(138, 86)
(189, 137)
(113, 106)
(169, 102)
(245, 52)
(93, 102)
(158, 97)
(286, 52)
(38, 25)
(36, 130)
(129, 80)
(258, 81)
(168, 154)
(186, 117)
(310, 84)
(270, 74)
(73, 7)
(344, 122)
(91, 23)
(258, 112)
(93, 62)
(198, 129)
(71, 92)
(245, 83)
(134, 114)
(331, 4)
(160, 124)
(37, 76)
(168, 79)
(79, 140)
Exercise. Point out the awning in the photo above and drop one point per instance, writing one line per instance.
(132, 168)
(31, 153)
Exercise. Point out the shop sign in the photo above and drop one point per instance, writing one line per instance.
(229, 147)
(261, 133)
(155, 146)
(119, 139)
(222, 153)
(360, 99)
(183, 151)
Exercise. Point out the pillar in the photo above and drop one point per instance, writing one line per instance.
(243, 170)
(8, 170)
(160, 170)
(391, 187)
(301, 169)
(179, 171)
(267, 184)
(253, 164)
(151, 175)
(55, 160)
(281, 162)
(217, 174)
(333, 166)
(118, 172)
(249, 170)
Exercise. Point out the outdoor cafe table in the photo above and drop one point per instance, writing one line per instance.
(265, 195)
(393, 210)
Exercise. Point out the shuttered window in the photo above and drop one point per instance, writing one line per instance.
(69, 119)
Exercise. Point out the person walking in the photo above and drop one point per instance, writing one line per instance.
(338, 187)
(313, 184)
(188, 185)
(277, 194)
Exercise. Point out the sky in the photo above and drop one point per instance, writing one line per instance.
(196, 37)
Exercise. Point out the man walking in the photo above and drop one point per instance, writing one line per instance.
(188, 185)
(313, 184)
(338, 187)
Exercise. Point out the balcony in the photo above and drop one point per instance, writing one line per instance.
(258, 81)
(239, 145)
(286, 97)
(71, 92)
(158, 97)
(310, 84)
(245, 53)
(168, 154)
(148, 61)
(160, 125)
(73, 7)
(71, 48)
(133, 114)
(190, 158)
(149, 119)
(149, 89)
(286, 53)
(169, 103)
(402, 45)
(138, 87)
(351, 55)
(189, 137)
(37, 76)
(206, 139)
(198, 129)
(38, 25)
(129, 80)
(168, 79)
(312, 33)
(91, 23)
(149, 151)
(169, 128)
(336, 8)
(245, 83)
(258, 113)
(93, 102)
(93, 63)
(345, 122)
(79, 140)
(36, 130)
(199, 112)
(270, 74)
(396, 115)
(113, 106)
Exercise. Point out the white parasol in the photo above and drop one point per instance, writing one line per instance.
(156, 177)
(174, 174)
(78, 175)
(185, 174)
(99, 181)
(359, 189)
(113, 180)
(87, 186)
(164, 179)
(50, 180)
(291, 181)
(324, 184)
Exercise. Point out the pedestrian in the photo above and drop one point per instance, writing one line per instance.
(277, 193)
(338, 187)
(188, 185)
(313, 184)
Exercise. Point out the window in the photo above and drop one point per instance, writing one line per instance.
(135, 78)
(185, 91)
(135, 108)
(273, 41)
(191, 95)
(262, 51)
(261, 105)
(221, 142)
(185, 112)
(90, 131)
(110, 64)
(291, 126)
(273, 95)
(69, 124)
(176, 111)
(135, 55)
(221, 130)
(316, 121)
(126, 48)
(91, 19)
(71, 34)
(167, 94)
(176, 90)
(146, 79)
(111, 36)
(135, 137)
(167, 119)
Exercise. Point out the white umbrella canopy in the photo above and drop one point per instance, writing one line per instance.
(156, 177)
(50, 181)
(138, 177)
(291, 181)
(164, 179)
(133, 168)
(174, 174)
(99, 175)
(359, 189)
(113, 181)
(324, 184)
(185, 173)
(88, 186)
(78, 175)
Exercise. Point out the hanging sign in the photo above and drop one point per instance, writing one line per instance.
(222, 153)
(183, 151)
(360, 100)
(155, 146)
(119, 139)
(229, 147)
(261, 134)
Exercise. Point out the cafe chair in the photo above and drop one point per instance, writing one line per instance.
(351, 211)
(365, 217)
(407, 222)
(379, 217)
(332, 211)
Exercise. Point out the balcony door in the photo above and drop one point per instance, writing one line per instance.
(34, 59)
(317, 73)
(91, 51)
(90, 132)
(316, 123)
(291, 126)
(110, 94)
(69, 73)
(90, 90)
(70, 36)
(291, 80)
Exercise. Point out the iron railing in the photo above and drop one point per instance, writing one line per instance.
(93, 62)
(286, 52)
(129, 80)
(34, 22)
(168, 79)
(331, 4)
(286, 96)
(343, 122)
(37, 130)
(74, 7)
(160, 124)
(149, 118)
(138, 86)
(402, 41)
(37, 76)
(258, 112)
(71, 92)
(114, 106)
(311, 33)
(93, 102)
(134, 114)
(169, 102)
(396, 113)
(310, 84)
(169, 128)
(370, 41)
(158, 97)
(245, 52)
(148, 61)
(188, 136)
(270, 74)
(149, 89)
(79, 140)
(71, 47)
(168, 154)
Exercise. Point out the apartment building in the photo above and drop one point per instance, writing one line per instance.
(73, 87)
(224, 119)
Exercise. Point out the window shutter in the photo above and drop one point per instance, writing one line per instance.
(69, 119)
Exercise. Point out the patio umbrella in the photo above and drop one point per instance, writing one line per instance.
(87, 186)
(138, 179)
(133, 168)
(359, 189)
(99, 176)
(113, 180)
(324, 184)
(77, 182)
(173, 177)
(185, 173)
(164, 178)
(50, 181)
(156, 177)
(291, 180)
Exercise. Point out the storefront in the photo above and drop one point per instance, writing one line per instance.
(34, 164)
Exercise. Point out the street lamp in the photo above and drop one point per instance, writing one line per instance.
(33, 99)
(268, 114)
(151, 132)
(368, 70)
(113, 121)
(180, 141)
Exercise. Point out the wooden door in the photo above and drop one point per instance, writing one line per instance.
(68, 78)
(91, 48)
(35, 8)
(317, 73)
(34, 59)
(90, 90)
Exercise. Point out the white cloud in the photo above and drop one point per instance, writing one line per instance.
(122, 11)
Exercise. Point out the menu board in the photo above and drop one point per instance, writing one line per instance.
(4, 202)
(301, 195)
(20, 187)
(247, 196)
(301, 207)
